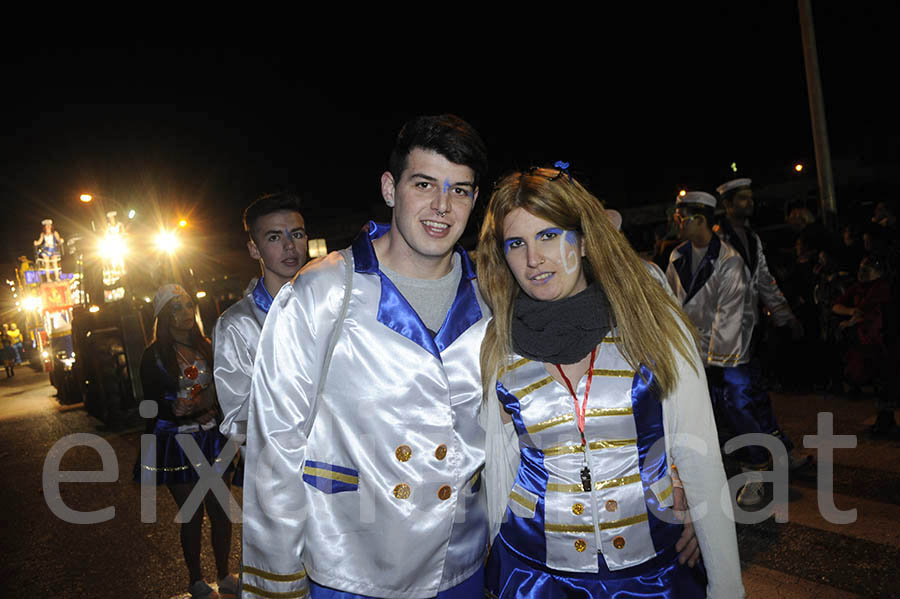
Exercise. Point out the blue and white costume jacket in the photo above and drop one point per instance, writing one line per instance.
(632, 438)
(363, 464)
(235, 338)
(761, 285)
(714, 298)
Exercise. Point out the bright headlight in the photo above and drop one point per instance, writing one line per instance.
(167, 241)
(113, 246)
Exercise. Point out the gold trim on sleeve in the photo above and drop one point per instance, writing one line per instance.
(665, 494)
(247, 588)
(525, 503)
(612, 340)
(274, 577)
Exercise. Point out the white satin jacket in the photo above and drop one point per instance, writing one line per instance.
(761, 284)
(714, 299)
(234, 338)
(363, 464)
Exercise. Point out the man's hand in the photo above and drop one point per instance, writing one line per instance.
(687, 546)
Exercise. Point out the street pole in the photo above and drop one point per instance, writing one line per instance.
(827, 201)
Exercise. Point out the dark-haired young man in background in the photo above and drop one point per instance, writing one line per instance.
(708, 278)
(278, 242)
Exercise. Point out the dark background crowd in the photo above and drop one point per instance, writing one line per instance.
(843, 288)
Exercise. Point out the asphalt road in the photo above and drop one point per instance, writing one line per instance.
(45, 556)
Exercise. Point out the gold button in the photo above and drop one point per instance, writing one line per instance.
(580, 545)
(611, 505)
(441, 452)
(401, 491)
(403, 453)
(577, 509)
(444, 493)
(618, 542)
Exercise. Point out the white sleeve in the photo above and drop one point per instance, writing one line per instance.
(233, 369)
(693, 446)
(501, 458)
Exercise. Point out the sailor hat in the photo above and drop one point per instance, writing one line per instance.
(733, 184)
(696, 197)
(47, 221)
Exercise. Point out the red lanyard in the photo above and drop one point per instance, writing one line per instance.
(579, 413)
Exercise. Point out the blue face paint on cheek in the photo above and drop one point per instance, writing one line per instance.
(571, 237)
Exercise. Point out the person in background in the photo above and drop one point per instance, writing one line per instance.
(736, 196)
(176, 373)
(15, 337)
(48, 248)
(870, 328)
(277, 241)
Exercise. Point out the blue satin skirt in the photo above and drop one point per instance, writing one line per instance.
(511, 576)
(472, 587)
(171, 465)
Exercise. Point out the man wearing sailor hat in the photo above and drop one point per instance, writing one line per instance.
(736, 197)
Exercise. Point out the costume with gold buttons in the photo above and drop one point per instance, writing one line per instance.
(618, 537)
(362, 463)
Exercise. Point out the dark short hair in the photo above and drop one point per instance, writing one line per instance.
(707, 212)
(448, 135)
(267, 204)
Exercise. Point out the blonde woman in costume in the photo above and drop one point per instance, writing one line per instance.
(599, 391)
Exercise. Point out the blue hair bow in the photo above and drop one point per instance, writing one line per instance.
(563, 168)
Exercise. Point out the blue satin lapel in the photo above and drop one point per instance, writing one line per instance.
(465, 310)
(747, 253)
(692, 285)
(683, 266)
(261, 296)
(395, 312)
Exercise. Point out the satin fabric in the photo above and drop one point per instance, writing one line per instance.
(761, 284)
(234, 341)
(472, 587)
(691, 442)
(411, 526)
(715, 300)
(742, 406)
(624, 420)
(512, 576)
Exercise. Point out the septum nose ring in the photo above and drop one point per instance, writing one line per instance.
(439, 213)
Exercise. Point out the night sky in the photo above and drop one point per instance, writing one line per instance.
(640, 103)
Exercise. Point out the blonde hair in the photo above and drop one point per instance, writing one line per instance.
(649, 321)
